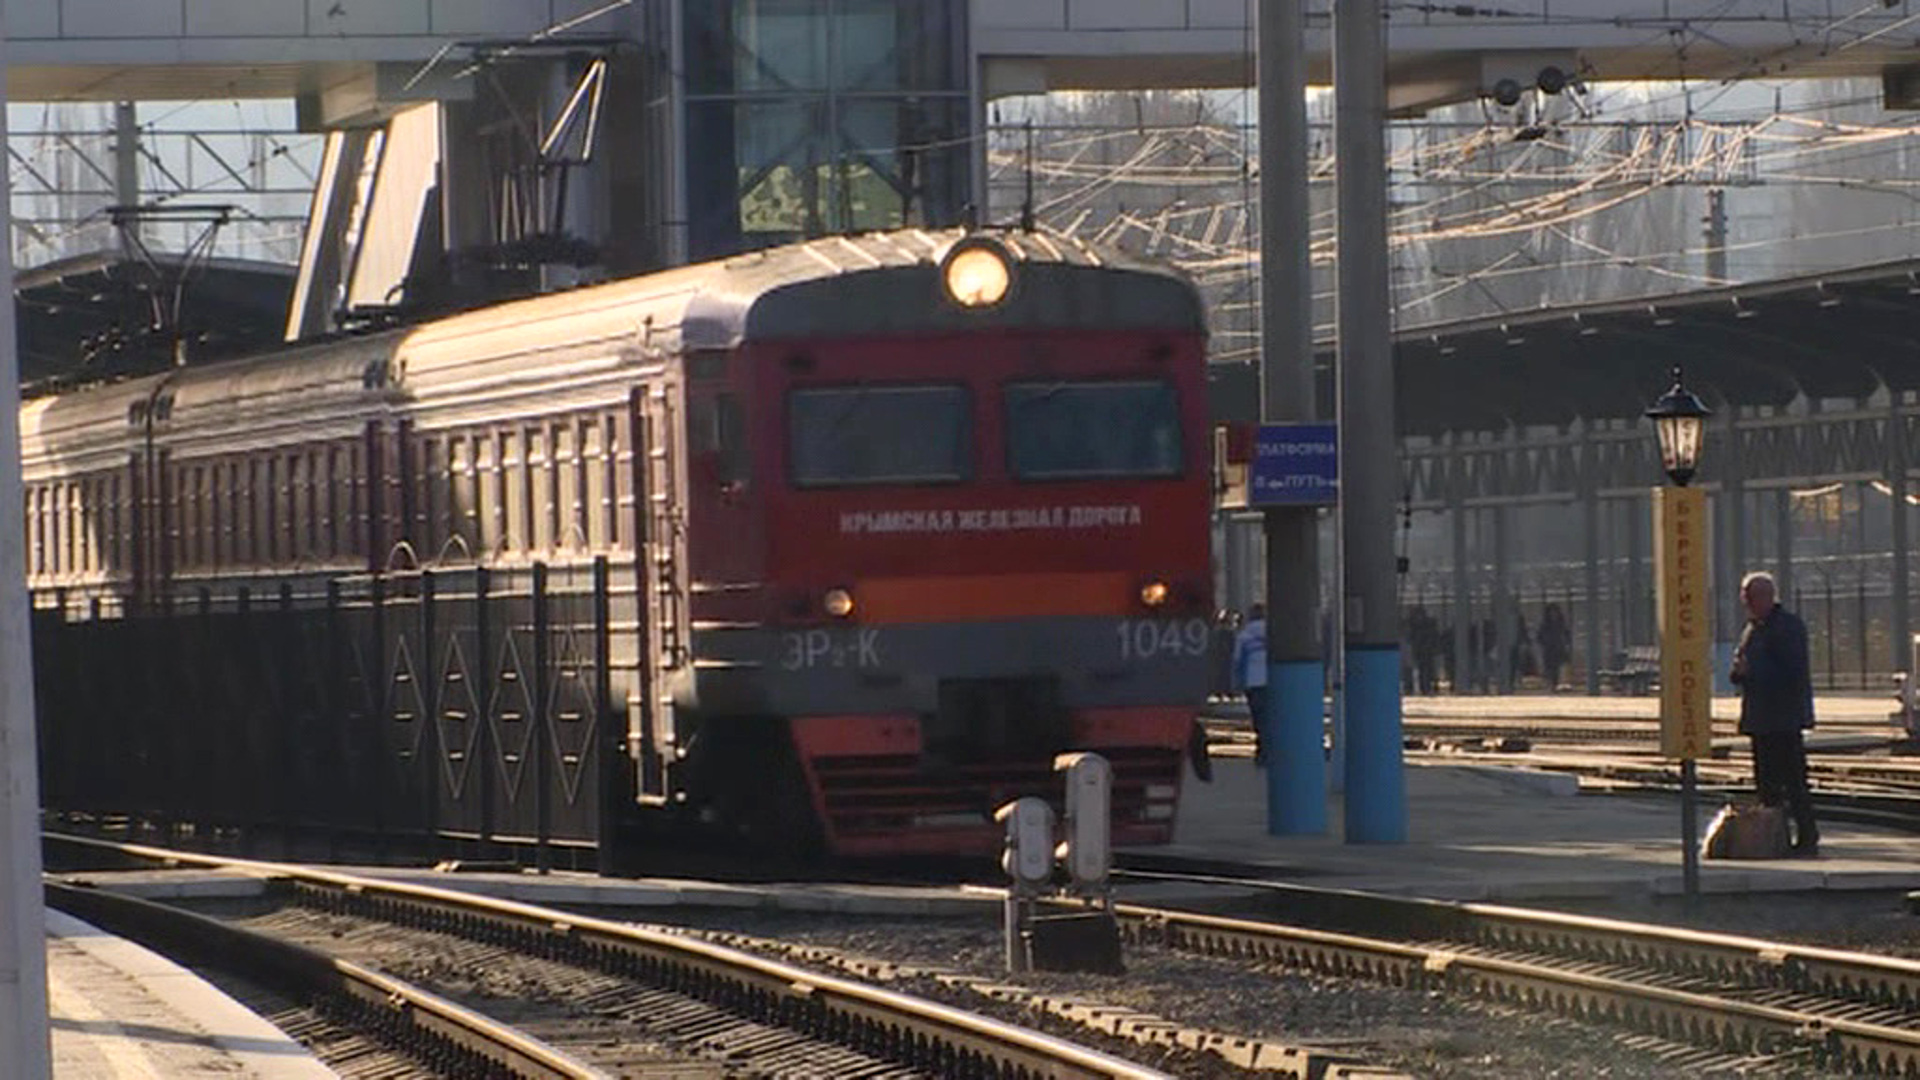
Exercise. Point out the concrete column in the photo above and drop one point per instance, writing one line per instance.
(1590, 516)
(1730, 544)
(1897, 454)
(1295, 724)
(1503, 599)
(23, 944)
(1462, 557)
(1635, 628)
(1376, 801)
(126, 167)
(1783, 549)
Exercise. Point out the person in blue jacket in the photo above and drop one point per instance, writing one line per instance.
(1776, 704)
(1250, 674)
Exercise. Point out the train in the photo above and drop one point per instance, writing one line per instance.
(832, 547)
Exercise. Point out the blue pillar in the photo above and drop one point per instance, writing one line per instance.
(1294, 734)
(1376, 778)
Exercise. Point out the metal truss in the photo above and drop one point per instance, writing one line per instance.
(1767, 452)
(77, 161)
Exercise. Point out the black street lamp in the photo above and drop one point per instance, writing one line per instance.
(1681, 421)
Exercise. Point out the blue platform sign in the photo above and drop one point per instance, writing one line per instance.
(1295, 465)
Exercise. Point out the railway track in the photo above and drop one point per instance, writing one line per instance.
(607, 995)
(1765, 1004)
(397, 1026)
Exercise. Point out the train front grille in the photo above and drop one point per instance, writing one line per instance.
(894, 798)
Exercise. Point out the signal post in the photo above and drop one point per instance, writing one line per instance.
(1686, 666)
(1680, 545)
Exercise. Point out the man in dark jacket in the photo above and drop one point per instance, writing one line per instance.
(1776, 703)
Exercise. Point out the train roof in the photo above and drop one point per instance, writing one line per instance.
(827, 288)
(876, 284)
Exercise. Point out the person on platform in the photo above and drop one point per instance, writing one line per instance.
(1556, 645)
(1776, 703)
(1423, 634)
(1250, 674)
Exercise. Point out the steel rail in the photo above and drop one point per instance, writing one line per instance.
(1679, 1015)
(1884, 981)
(425, 1025)
(884, 1023)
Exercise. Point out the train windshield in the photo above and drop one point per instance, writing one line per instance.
(1079, 430)
(879, 435)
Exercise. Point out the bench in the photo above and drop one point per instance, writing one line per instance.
(1635, 670)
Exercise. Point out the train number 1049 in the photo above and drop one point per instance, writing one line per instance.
(1145, 639)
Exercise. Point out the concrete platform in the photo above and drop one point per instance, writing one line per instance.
(1483, 832)
(121, 1012)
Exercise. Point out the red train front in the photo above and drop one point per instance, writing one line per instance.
(946, 520)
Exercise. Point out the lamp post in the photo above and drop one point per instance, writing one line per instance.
(1680, 546)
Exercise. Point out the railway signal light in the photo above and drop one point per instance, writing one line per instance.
(1028, 858)
(1087, 850)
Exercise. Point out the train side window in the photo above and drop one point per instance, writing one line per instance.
(116, 521)
(203, 522)
(485, 465)
(465, 510)
(619, 490)
(103, 523)
(567, 461)
(300, 503)
(540, 469)
(317, 500)
(715, 431)
(55, 530)
(514, 489)
(62, 533)
(189, 503)
(84, 489)
(245, 513)
(217, 514)
(433, 497)
(266, 469)
(49, 514)
(283, 524)
(354, 535)
(209, 514)
(76, 547)
(37, 528)
(77, 513)
(593, 453)
(338, 498)
(83, 524)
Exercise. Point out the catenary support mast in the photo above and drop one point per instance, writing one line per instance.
(1376, 811)
(24, 1049)
(1296, 768)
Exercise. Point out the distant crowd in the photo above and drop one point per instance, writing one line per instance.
(1429, 653)
(1429, 649)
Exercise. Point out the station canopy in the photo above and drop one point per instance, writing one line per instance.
(1835, 334)
(106, 313)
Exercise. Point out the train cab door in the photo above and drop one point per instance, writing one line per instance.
(660, 467)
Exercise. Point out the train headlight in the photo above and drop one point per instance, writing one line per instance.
(977, 273)
(837, 603)
(1155, 594)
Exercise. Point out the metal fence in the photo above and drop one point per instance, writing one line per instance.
(466, 705)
